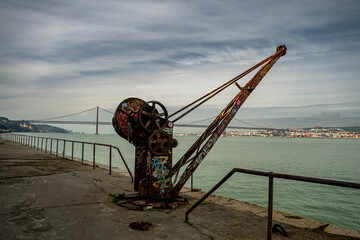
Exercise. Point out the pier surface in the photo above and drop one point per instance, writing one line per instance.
(47, 197)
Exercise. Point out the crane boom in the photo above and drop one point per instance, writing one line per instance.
(220, 123)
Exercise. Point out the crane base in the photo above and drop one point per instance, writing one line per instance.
(141, 203)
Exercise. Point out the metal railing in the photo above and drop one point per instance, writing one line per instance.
(271, 177)
(37, 142)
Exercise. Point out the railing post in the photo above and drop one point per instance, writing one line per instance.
(64, 149)
(38, 141)
(42, 140)
(57, 146)
(82, 154)
(50, 145)
(46, 144)
(72, 151)
(94, 157)
(110, 149)
(270, 205)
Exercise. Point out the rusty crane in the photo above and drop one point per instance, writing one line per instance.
(148, 127)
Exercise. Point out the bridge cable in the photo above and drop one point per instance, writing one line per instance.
(106, 110)
(65, 115)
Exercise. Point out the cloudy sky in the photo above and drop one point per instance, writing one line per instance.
(60, 57)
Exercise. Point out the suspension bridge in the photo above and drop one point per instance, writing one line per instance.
(96, 122)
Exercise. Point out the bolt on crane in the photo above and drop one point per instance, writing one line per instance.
(148, 127)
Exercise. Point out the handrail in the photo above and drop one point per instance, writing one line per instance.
(271, 177)
(31, 142)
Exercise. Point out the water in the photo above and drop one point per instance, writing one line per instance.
(336, 159)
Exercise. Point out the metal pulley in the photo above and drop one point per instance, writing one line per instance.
(153, 116)
(159, 143)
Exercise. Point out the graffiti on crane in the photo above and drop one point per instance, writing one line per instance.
(161, 172)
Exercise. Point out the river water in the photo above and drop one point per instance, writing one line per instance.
(336, 159)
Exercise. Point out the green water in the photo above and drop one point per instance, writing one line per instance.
(336, 159)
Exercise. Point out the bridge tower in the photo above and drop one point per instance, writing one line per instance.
(97, 121)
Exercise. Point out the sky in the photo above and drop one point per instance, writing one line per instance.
(61, 57)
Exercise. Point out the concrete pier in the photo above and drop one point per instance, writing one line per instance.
(46, 197)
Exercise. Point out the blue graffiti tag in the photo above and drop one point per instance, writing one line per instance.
(160, 173)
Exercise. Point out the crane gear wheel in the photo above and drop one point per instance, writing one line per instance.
(159, 143)
(153, 116)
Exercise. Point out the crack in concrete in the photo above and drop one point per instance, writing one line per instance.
(55, 206)
(92, 181)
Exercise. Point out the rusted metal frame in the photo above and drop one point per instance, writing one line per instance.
(230, 112)
(271, 177)
(196, 146)
(281, 50)
(200, 155)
